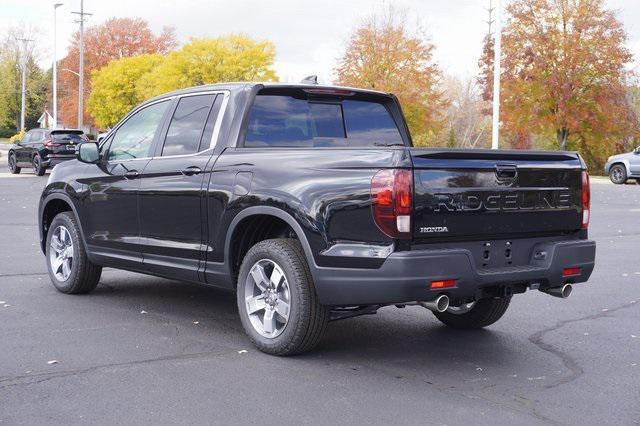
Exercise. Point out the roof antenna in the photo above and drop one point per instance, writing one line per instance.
(310, 79)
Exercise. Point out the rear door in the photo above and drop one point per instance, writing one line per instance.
(172, 188)
(484, 195)
(23, 149)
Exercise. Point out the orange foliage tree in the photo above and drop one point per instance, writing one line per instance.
(563, 77)
(382, 55)
(114, 39)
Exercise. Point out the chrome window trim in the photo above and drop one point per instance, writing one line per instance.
(216, 127)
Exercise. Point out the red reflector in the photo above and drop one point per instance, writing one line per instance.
(586, 200)
(443, 284)
(570, 272)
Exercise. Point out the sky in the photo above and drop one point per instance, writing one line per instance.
(309, 35)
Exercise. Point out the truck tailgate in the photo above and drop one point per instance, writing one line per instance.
(484, 194)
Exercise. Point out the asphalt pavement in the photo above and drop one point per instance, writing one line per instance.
(147, 350)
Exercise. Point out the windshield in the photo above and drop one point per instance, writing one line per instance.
(279, 120)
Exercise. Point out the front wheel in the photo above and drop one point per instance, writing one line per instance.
(13, 164)
(277, 301)
(478, 314)
(38, 167)
(70, 269)
(618, 174)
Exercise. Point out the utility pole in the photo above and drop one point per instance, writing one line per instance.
(55, 67)
(82, 13)
(497, 54)
(25, 42)
(490, 21)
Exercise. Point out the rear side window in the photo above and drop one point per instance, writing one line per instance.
(277, 120)
(192, 121)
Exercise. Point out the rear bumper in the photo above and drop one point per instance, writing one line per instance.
(53, 160)
(406, 276)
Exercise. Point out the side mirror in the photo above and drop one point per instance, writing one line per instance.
(637, 150)
(88, 152)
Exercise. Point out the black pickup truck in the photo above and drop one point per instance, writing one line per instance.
(311, 203)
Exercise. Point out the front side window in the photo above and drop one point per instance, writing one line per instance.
(278, 120)
(134, 138)
(187, 127)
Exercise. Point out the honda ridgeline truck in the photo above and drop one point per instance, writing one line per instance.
(312, 204)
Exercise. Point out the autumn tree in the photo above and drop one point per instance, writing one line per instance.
(235, 57)
(382, 54)
(115, 88)
(114, 39)
(563, 76)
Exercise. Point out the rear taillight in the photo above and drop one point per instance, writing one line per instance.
(392, 199)
(586, 200)
(50, 144)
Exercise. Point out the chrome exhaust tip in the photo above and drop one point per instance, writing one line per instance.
(441, 304)
(561, 292)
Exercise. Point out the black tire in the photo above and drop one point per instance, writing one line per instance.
(485, 312)
(307, 318)
(618, 174)
(84, 275)
(13, 168)
(38, 167)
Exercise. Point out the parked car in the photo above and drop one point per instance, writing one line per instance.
(623, 167)
(311, 203)
(41, 149)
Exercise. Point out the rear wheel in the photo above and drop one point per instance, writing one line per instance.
(277, 301)
(13, 164)
(70, 269)
(38, 167)
(478, 314)
(618, 174)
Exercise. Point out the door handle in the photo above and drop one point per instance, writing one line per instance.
(190, 171)
(131, 174)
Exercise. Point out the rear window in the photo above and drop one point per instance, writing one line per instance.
(278, 120)
(69, 137)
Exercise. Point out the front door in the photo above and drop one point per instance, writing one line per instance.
(112, 227)
(172, 189)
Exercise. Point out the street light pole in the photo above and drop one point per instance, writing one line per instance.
(82, 13)
(497, 55)
(55, 67)
(23, 106)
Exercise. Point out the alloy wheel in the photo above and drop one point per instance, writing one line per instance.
(61, 253)
(12, 163)
(36, 165)
(616, 175)
(267, 298)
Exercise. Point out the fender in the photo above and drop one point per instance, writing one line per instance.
(43, 204)
(280, 214)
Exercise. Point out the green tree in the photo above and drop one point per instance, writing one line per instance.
(115, 87)
(235, 57)
(11, 84)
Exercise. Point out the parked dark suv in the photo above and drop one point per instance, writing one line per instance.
(43, 148)
(311, 203)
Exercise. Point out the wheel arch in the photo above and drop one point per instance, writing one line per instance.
(621, 162)
(52, 205)
(256, 211)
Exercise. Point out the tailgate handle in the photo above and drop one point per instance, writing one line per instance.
(506, 172)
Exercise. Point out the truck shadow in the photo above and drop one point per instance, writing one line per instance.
(410, 337)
